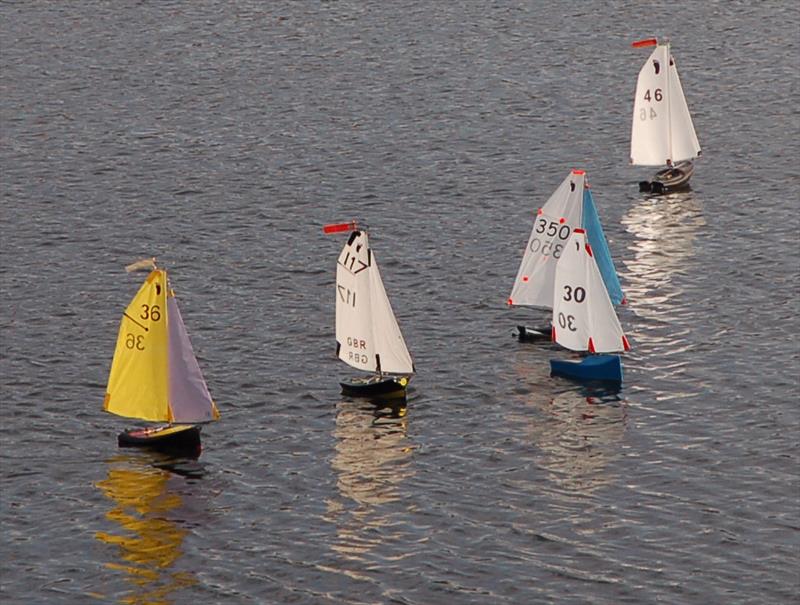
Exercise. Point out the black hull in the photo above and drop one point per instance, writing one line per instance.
(383, 387)
(537, 334)
(183, 440)
(672, 178)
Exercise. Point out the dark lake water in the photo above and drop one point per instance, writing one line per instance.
(221, 136)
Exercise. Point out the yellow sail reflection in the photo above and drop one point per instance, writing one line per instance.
(372, 459)
(149, 543)
(578, 429)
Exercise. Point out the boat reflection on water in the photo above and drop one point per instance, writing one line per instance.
(149, 543)
(578, 428)
(665, 228)
(656, 275)
(372, 458)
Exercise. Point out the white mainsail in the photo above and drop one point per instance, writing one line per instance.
(367, 335)
(661, 131)
(583, 316)
(533, 285)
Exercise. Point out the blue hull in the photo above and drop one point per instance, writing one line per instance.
(607, 368)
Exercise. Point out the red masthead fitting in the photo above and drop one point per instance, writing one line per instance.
(582, 173)
(339, 227)
(644, 43)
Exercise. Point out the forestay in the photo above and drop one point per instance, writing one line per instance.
(367, 335)
(571, 206)
(662, 129)
(583, 316)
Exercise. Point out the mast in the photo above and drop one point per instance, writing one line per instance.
(668, 69)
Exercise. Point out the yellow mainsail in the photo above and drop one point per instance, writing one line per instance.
(138, 384)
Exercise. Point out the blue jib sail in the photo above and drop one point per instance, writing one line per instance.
(602, 255)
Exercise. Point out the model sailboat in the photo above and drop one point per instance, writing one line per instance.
(662, 133)
(570, 207)
(367, 335)
(584, 317)
(154, 375)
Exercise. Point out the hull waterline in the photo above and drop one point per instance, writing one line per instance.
(673, 178)
(605, 368)
(383, 387)
(183, 439)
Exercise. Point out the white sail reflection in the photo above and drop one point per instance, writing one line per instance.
(578, 430)
(665, 228)
(372, 459)
(149, 543)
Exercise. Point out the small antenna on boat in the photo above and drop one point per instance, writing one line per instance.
(144, 264)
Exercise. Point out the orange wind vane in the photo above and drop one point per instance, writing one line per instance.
(339, 227)
(644, 43)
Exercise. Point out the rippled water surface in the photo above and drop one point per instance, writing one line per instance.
(220, 136)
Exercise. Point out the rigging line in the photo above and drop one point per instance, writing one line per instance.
(136, 322)
(668, 71)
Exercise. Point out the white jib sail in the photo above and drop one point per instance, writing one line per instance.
(389, 343)
(685, 145)
(583, 316)
(367, 333)
(552, 227)
(661, 129)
